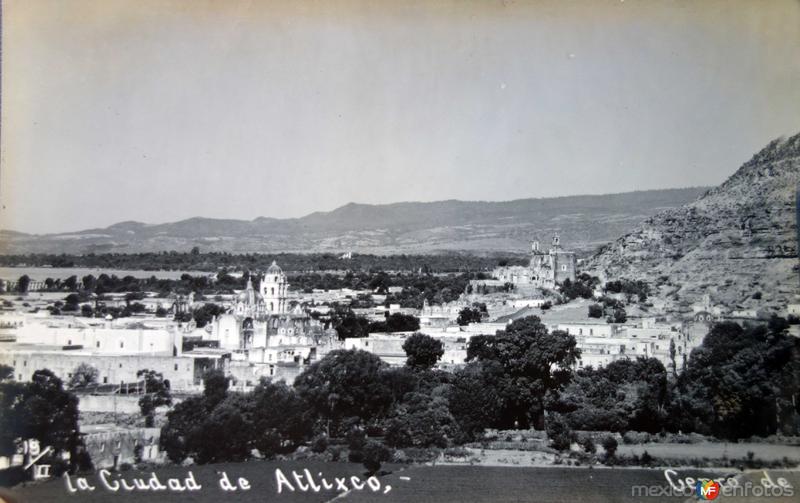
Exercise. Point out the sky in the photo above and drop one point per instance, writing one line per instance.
(157, 111)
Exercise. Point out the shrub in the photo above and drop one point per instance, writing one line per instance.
(610, 445)
(560, 434)
(635, 437)
(335, 452)
(588, 445)
(319, 444)
(646, 458)
(375, 453)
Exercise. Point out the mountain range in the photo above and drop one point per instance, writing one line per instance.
(584, 223)
(736, 245)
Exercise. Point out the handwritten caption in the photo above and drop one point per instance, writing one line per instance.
(293, 481)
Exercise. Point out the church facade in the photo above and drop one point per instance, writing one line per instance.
(545, 270)
(261, 318)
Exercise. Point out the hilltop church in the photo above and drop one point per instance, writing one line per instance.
(546, 270)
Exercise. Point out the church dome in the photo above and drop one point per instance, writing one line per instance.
(274, 269)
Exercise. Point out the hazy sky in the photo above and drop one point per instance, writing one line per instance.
(162, 110)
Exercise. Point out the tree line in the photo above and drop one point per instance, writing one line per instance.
(195, 260)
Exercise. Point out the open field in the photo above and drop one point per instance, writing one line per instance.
(420, 483)
(541, 485)
(714, 450)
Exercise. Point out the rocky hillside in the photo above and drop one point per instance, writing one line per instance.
(736, 242)
(585, 222)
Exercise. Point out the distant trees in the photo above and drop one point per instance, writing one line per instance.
(618, 316)
(71, 302)
(395, 322)
(314, 262)
(156, 394)
(23, 283)
(205, 313)
(83, 375)
(595, 311)
(347, 324)
(583, 286)
(71, 283)
(89, 282)
(469, 315)
(423, 351)
(632, 289)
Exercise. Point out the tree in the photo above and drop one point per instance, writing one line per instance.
(281, 418)
(215, 387)
(742, 381)
(619, 316)
(345, 383)
(23, 283)
(83, 375)
(583, 286)
(469, 315)
(89, 282)
(395, 322)
(348, 325)
(672, 354)
(534, 363)
(205, 313)
(595, 311)
(42, 410)
(157, 393)
(72, 302)
(179, 434)
(610, 445)
(423, 351)
(421, 420)
(474, 398)
(71, 283)
(87, 311)
(559, 433)
(374, 453)
(226, 432)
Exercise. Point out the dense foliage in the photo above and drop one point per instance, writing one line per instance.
(742, 381)
(534, 363)
(41, 409)
(423, 351)
(214, 261)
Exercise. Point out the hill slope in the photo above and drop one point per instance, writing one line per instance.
(585, 222)
(737, 239)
